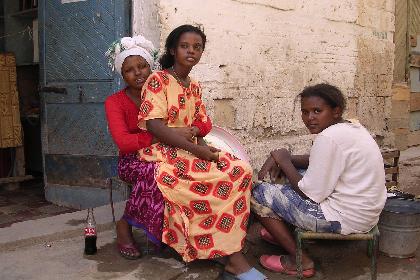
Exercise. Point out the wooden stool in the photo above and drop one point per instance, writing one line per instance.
(372, 238)
(391, 159)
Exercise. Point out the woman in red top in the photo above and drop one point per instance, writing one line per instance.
(133, 58)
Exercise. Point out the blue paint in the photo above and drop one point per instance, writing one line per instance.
(78, 151)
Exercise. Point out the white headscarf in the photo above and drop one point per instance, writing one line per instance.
(137, 45)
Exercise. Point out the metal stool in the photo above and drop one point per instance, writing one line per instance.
(372, 237)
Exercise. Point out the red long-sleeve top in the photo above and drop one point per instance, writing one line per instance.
(122, 115)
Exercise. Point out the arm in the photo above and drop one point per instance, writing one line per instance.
(326, 166)
(202, 127)
(126, 142)
(166, 135)
(201, 119)
(283, 160)
(270, 165)
(300, 161)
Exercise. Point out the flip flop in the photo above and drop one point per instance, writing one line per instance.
(273, 263)
(129, 251)
(251, 274)
(265, 235)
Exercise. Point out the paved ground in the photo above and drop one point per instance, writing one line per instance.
(45, 245)
(52, 248)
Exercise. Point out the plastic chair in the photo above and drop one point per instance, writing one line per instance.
(372, 237)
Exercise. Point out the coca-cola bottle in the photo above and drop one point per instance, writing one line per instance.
(90, 233)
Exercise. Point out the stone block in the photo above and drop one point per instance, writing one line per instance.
(285, 115)
(399, 122)
(400, 92)
(245, 109)
(414, 101)
(413, 138)
(351, 110)
(224, 112)
(401, 142)
(400, 109)
(371, 114)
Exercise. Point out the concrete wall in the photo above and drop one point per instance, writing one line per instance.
(261, 53)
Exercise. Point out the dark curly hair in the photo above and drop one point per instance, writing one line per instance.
(167, 59)
(331, 94)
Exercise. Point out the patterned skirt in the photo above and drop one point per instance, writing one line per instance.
(206, 203)
(144, 208)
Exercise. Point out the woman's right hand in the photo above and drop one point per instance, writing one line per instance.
(186, 132)
(206, 153)
(269, 167)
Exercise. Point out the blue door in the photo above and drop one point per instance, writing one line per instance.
(78, 152)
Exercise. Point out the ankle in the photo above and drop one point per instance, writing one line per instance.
(237, 264)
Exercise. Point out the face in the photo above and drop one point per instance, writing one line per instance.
(189, 49)
(317, 114)
(135, 71)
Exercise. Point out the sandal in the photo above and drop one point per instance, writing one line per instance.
(265, 235)
(129, 251)
(273, 263)
(251, 274)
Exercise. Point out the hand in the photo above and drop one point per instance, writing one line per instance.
(186, 132)
(206, 153)
(214, 149)
(268, 165)
(281, 156)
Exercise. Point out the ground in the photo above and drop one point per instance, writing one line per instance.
(50, 246)
(57, 253)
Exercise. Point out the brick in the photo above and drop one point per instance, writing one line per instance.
(401, 142)
(399, 122)
(414, 138)
(415, 60)
(415, 102)
(400, 92)
(399, 109)
(401, 131)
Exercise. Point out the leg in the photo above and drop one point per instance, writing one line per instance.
(299, 255)
(125, 240)
(374, 252)
(237, 264)
(237, 267)
(281, 233)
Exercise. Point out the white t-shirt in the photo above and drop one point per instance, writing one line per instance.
(346, 177)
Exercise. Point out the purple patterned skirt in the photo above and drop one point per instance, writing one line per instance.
(144, 208)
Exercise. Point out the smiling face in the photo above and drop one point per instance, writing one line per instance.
(317, 114)
(135, 71)
(189, 49)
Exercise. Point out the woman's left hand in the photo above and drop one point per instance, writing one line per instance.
(281, 156)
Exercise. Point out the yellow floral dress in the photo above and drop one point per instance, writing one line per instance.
(206, 203)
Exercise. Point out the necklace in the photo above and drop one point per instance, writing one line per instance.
(183, 82)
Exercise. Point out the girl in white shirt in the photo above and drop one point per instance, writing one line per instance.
(342, 191)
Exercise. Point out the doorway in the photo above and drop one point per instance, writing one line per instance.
(21, 169)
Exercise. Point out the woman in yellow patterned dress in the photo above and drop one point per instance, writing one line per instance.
(206, 191)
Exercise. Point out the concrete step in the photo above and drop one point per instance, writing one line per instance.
(54, 228)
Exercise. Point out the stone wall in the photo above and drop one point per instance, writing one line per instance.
(262, 53)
